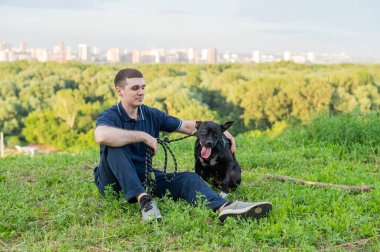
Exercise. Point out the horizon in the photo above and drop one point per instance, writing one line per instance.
(268, 26)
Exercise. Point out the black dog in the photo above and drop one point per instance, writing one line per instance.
(214, 161)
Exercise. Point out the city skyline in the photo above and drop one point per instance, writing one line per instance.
(239, 26)
(85, 53)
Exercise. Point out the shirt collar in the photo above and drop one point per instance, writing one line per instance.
(125, 116)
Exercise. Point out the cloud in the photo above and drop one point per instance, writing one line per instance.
(348, 15)
(175, 12)
(291, 28)
(58, 4)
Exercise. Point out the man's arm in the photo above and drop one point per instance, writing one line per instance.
(116, 137)
(232, 139)
(188, 128)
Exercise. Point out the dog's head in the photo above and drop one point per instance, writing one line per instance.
(209, 134)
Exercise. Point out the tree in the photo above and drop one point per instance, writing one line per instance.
(67, 105)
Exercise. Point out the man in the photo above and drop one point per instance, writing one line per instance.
(124, 133)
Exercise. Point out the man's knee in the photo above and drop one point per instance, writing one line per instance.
(118, 155)
(116, 151)
(191, 177)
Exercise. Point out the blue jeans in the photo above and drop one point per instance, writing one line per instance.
(117, 170)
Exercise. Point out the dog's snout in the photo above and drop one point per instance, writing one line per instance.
(209, 144)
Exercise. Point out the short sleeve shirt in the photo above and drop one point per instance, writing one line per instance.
(150, 120)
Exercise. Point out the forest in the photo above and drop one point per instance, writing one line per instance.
(57, 105)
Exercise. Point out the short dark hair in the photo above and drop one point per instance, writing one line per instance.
(124, 74)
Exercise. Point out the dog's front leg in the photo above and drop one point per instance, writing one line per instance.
(223, 194)
(226, 180)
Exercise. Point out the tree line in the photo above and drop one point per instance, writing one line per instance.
(57, 104)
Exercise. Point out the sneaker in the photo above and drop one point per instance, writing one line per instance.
(149, 209)
(245, 210)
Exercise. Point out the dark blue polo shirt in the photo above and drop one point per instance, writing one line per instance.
(150, 120)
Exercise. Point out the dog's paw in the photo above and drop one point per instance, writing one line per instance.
(223, 194)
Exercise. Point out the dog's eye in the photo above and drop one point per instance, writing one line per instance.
(216, 134)
(204, 132)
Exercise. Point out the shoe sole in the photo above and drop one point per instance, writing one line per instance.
(256, 211)
(152, 219)
(154, 215)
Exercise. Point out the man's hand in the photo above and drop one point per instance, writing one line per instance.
(232, 139)
(151, 142)
(188, 127)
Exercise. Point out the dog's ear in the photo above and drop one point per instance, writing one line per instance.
(226, 125)
(197, 124)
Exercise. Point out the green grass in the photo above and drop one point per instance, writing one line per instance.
(50, 203)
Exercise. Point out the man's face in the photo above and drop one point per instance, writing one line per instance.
(133, 92)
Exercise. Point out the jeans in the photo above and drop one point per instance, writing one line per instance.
(117, 170)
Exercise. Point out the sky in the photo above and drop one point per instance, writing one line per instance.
(331, 26)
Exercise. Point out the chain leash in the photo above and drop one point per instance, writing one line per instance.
(150, 178)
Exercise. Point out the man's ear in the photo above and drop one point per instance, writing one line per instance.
(119, 91)
(226, 125)
(197, 124)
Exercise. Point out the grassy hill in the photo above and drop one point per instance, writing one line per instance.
(49, 202)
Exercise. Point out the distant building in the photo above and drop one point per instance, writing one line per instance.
(5, 46)
(58, 53)
(158, 54)
(226, 57)
(39, 54)
(69, 53)
(191, 55)
(310, 57)
(6, 55)
(95, 51)
(301, 59)
(126, 57)
(331, 58)
(84, 53)
(268, 58)
(182, 56)
(22, 47)
(234, 58)
(287, 56)
(209, 55)
(171, 57)
(256, 56)
(203, 58)
(23, 56)
(212, 56)
(135, 57)
(97, 56)
(60, 48)
(113, 55)
(146, 57)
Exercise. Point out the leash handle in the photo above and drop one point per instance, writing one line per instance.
(150, 178)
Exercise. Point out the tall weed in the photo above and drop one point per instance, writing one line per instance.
(348, 129)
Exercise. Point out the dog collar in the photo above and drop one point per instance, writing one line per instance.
(223, 141)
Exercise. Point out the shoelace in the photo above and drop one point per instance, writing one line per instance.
(145, 203)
